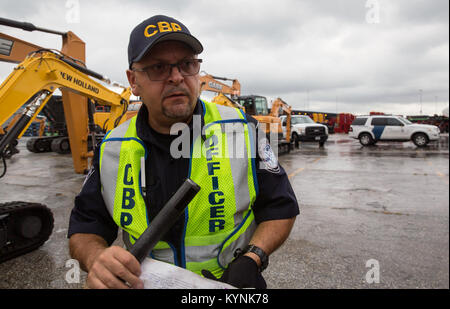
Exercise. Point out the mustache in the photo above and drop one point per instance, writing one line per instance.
(174, 91)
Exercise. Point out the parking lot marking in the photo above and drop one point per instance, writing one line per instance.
(291, 175)
(438, 173)
(442, 176)
(295, 172)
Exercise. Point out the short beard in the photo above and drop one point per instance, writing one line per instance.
(179, 111)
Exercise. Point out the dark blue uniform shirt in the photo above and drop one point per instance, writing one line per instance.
(275, 199)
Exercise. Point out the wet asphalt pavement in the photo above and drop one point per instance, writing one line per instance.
(387, 204)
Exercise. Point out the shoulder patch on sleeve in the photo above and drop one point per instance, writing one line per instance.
(269, 161)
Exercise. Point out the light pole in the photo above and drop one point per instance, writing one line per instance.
(336, 104)
(420, 97)
(435, 104)
(307, 99)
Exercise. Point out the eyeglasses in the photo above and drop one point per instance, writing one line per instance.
(162, 71)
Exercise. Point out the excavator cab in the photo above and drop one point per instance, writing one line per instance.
(255, 105)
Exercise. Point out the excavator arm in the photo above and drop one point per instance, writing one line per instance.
(211, 83)
(279, 107)
(15, 50)
(37, 77)
(46, 71)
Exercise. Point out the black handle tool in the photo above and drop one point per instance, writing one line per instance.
(164, 219)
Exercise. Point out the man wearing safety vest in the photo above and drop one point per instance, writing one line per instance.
(245, 208)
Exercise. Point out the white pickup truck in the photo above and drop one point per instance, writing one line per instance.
(371, 129)
(304, 129)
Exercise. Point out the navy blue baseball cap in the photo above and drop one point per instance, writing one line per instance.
(157, 29)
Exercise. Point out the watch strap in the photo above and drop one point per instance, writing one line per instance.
(263, 257)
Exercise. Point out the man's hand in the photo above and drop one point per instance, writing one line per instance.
(107, 267)
(113, 268)
(243, 272)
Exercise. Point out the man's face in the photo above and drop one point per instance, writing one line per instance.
(170, 100)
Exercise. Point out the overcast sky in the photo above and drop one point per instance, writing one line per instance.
(351, 56)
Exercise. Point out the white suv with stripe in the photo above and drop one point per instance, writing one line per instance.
(371, 129)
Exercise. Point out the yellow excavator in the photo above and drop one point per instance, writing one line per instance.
(15, 50)
(77, 137)
(26, 226)
(35, 80)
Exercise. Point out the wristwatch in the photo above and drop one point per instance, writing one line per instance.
(264, 258)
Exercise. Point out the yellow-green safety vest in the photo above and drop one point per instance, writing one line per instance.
(219, 219)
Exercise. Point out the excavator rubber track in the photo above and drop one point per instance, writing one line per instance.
(24, 227)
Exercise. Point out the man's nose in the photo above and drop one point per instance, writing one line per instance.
(175, 75)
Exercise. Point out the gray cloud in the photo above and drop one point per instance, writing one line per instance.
(279, 49)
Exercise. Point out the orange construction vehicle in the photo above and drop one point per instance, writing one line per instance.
(25, 226)
(33, 83)
(279, 107)
(256, 106)
(76, 104)
(252, 105)
(102, 115)
(211, 83)
(15, 50)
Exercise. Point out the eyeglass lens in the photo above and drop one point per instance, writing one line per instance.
(161, 71)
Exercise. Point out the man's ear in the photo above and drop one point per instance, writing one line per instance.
(132, 80)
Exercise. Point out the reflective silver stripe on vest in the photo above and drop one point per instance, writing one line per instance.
(238, 161)
(227, 254)
(165, 255)
(204, 253)
(201, 253)
(237, 147)
(110, 167)
(227, 113)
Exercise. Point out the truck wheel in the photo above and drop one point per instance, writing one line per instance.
(366, 139)
(420, 139)
(322, 141)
